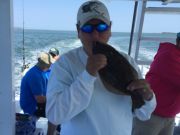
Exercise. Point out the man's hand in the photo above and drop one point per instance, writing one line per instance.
(40, 99)
(95, 63)
(143, 87)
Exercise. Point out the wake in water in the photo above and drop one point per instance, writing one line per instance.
(42, 40)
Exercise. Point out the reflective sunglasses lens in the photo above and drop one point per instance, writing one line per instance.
(87, 28)
(101, 27)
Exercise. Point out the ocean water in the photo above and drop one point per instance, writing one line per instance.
(42, 40)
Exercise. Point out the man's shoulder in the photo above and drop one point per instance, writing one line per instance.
(33, 72)
(72, 54)
(167, 46)
(73, 51)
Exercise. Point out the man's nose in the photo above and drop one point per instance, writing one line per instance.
(95, 35)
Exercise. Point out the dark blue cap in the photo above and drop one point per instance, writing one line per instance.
(178, 35)
(54, 51)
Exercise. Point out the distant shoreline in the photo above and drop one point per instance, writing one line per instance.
(18, 28)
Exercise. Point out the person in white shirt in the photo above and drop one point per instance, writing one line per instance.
(76, 97)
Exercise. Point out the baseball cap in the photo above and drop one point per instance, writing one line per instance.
(54, 51)
(93, 9)
(178, 35)
(45, 59)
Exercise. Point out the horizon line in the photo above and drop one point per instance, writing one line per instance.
(76, 31)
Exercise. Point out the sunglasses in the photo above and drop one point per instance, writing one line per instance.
(89, 28)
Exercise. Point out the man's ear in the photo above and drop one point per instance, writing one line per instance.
(110, 27)
(178, 42)
(110, 24)
(78, 29)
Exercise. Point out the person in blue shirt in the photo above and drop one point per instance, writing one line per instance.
(54, 52)
(34, 86)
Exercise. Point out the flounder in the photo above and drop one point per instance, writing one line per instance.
(118, 73)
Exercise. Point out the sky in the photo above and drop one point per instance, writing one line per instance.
(61, 15)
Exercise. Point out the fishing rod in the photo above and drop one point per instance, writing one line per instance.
(25, 66)
(24, 61)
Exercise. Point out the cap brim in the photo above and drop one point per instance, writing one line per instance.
(94, 17)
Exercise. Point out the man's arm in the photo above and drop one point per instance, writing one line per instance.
(144, 89)
(40, 99)
(67, 96)
(141, 85)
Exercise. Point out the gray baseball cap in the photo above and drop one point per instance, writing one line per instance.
(93, 9)
(45, 59)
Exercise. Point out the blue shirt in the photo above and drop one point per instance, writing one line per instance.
(49, 70)
(34, 83)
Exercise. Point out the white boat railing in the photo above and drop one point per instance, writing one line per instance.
(138, 22)
(7, 104)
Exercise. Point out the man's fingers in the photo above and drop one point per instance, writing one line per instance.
(138, 84)
(95, 63)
